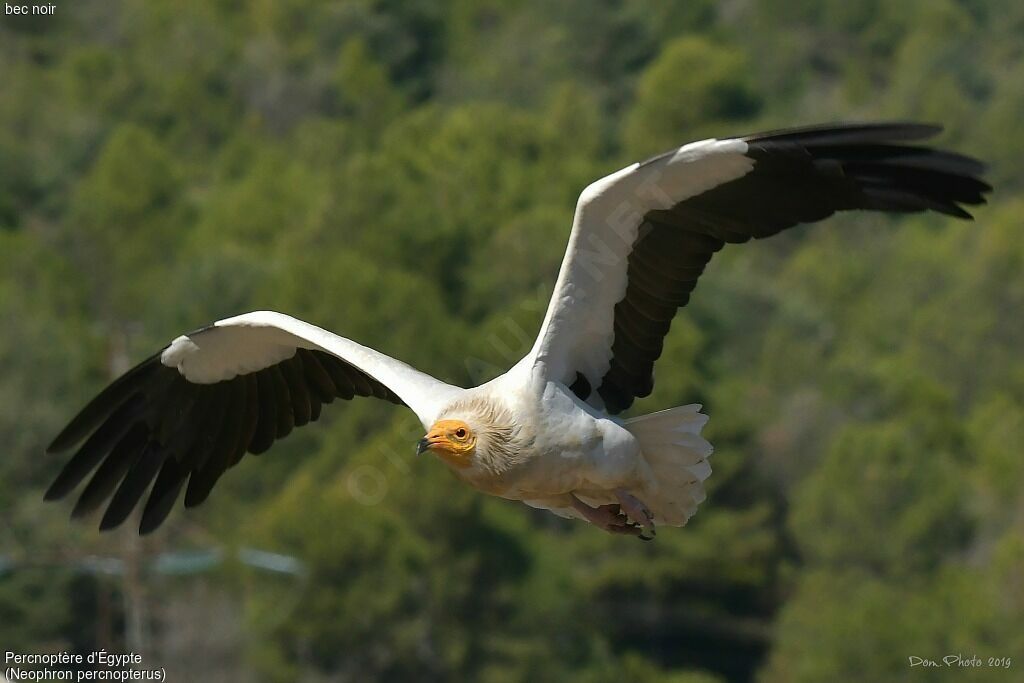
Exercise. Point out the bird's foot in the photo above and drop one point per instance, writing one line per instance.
(608, 517)
(638, 513)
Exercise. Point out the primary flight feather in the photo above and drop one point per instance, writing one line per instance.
(545, 432)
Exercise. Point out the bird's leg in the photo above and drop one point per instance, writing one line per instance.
(638, 512)
(607, 517)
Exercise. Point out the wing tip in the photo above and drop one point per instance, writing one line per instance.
(877, 131)
(114, 517)
(55, 492)
(66, 439)
(57, 445)
(150, 523)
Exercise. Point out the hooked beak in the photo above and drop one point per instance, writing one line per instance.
(431, 439)
(437, 441)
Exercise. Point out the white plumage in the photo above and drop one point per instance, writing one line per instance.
(545, 432)
(251, 342)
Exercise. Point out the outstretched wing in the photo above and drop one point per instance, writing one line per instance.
(642, 236)
(195, 409)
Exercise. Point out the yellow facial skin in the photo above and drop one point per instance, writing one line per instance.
(452, 441)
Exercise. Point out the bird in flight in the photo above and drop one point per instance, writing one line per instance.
(546, 432)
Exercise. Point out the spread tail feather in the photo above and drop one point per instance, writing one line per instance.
(677, 454)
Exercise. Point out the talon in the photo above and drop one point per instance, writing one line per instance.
(638, 512)
(609, 517)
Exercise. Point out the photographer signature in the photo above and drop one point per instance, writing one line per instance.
(961, 661)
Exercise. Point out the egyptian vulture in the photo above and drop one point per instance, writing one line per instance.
(546, 432)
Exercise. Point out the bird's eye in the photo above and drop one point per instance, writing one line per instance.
(460, 433)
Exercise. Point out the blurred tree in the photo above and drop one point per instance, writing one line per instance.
(125, 226)
(378, 167)
(693, 88)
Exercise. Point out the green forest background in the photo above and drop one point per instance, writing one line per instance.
(404, 173)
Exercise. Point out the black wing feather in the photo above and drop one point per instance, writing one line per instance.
(96, 447)
(133, 486)
(105, 403)
(202, 480)
(111, 471)
(250, 418)
(285, 416)
(266, 422)
(297, 389)
(320, 383)
(152, 429)
(166, 490)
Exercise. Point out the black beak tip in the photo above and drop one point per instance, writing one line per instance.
(421, 446)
